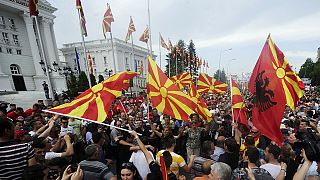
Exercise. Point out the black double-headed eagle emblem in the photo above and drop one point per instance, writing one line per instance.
(262, 98)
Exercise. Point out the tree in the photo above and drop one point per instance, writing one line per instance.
(100, 78)
(72, 85)
(315, 78)
(306, 69)
(83, 83)
(222, 78)
(93, 80)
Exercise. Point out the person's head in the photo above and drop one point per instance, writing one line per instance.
(36, 124)
(19, 110)
(97, 138)
(92, 152)
(35, 107)
(220, 141)
(169, 142)
(6, 129)
(292, 138)
(193, 124)
(252, 154)
(64, 121)
(221, 171)
(207, 148)
(155, 112)
(195, 117)
(304, 124)
(255, 132)
(13, 107)
(249, 141)
(39, 149)
(167, 159)
(119, 123)
(18, 125)
(139, 123)
(230, 145)
(166, 119)
(35, 172)
(129, 172)
(206, 167)
(272, 152)
(166, 131)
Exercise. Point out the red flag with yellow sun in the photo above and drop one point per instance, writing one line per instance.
(165, 96)
(211, 85)
(201, 109)
(94, 103)
(181, 80)
(273, 85)
(239, 110)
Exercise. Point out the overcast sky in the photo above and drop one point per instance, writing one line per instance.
(213, 25)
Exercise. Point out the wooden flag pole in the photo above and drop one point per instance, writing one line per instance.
(84, 51)
(85, 119)
(132, 52)
(113, 57)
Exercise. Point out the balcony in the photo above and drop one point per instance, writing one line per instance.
(13, 27)
(2, 26)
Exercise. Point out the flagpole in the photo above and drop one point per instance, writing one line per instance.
(85, 51)
(44, 58)
(85, 119)
(160, 48)
(149, 29)
(132, 53)
(231, 103)
(113, 57)
(176, 62)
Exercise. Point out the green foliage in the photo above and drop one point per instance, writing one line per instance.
(72, 85)
(93, 80)
(83, 83)
(222, 77)
(100, 78)
(307, 69)
(315, 78)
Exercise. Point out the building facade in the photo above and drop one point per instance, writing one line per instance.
(102, 58)
(20, 53)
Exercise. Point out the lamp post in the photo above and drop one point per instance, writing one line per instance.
(47, 70)
(220, 61)
(66, 72)
(108, 72)
(229, 64)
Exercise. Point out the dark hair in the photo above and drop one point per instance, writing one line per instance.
(5, 125)
(168, 142)
(167, 159)
(34, 172)
(131, 167)
(206, 147)
(232, 145)
(96, 136)
(249, 141)
(274, 150)
(252, 153)
(19, 109)
(306, 121)
(38, 143)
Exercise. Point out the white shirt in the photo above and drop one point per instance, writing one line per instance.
(140, 161)
(273, 169)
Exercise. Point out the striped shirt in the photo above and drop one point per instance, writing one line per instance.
(177, 161)
(14, 159)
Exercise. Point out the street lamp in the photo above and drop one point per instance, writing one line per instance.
(55, 65)
(220, 61)
(108, 72)
(229, 64)
(66, 72)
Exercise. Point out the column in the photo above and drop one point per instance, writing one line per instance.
(33, 44)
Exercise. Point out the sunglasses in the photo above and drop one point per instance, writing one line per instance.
(127, 165)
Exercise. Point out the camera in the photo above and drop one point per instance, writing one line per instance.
(310, 142)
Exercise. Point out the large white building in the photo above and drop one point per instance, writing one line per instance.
(102, 57)
(20, 55)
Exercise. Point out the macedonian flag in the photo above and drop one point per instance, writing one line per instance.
(182, 80)
(238, 106)
(211, 85)
(94, 103)
(201, 109)
(166, 96)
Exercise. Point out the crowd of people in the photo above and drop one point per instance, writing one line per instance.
(38, 145)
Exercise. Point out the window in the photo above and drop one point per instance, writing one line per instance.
(2, 22)
(127, 65)
(18, 51)
(9, 51)
(15, 39)
(5, 37)
(0, 49)
(93, 61)
(95, 71)
(12, 25)
(14, 69)
(105, 60)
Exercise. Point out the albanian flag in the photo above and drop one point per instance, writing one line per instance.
(238, 106)
(209, 84)
(182, 80)
(268, 84)
(201, 109)
(94, 103)
(166, 96)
